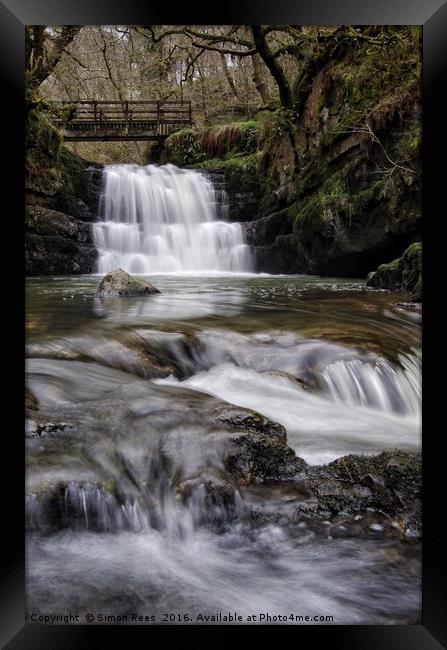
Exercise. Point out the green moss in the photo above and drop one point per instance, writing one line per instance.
(72, 179)
(400, 469)
(193, 146)
(333, 197)
(391, 266)
(248, 163)
(241, 172)
(373, 85)
(414, 250)
(43, 143)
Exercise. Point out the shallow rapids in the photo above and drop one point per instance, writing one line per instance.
(127, 434)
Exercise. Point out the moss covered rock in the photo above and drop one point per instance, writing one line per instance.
(258, 451)
(389, 482)
(402, 274)
(62, 195)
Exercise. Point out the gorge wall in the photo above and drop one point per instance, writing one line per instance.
(58, 218)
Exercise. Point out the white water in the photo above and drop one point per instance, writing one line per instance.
(141, 549)
(379, 385)
(164, 219)
(116, 477)
(322, 427)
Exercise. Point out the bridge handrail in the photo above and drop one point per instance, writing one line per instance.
(98, 115)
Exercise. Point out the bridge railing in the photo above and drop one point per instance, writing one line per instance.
(104, 116)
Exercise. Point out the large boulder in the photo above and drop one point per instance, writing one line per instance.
(402, 274)
(120, 283)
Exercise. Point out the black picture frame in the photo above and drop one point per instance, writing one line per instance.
(14, 15)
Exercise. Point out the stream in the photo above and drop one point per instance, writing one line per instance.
(129, 387)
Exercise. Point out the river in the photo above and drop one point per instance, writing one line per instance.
(130, 385)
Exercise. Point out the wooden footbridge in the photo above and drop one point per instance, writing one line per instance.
(108, 121)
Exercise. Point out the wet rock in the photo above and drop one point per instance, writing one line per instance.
(256, 457)
(35, 428)
(278, 501)
(389, 483)
(31, 428)
(57, 243)
(402, 274)
(235, 418)
(80, 506)
(237, 191)
(258, 448)
(58, 216)
(272, 243)
(121, 283)
(240, 467)
(213, 496)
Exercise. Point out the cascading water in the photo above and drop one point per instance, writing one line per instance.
(379, 385)
(144, 490)
(164, 219)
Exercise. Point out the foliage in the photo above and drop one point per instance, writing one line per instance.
(223, 141)
(43, 143)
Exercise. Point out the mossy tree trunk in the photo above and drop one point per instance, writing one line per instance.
(271, 61)
(44, 49)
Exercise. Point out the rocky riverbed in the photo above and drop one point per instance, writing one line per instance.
(218, 444)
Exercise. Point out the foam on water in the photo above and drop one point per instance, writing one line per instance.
(321, 427)
(164, 220)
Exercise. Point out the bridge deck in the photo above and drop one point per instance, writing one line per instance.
(86, 120)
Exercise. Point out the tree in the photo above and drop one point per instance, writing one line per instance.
(44, 47)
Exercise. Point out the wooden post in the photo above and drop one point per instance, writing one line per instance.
(158, 117)
(190, 114)
(95, 108)
(127, 117)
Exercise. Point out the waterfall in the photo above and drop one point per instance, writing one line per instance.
(161, 219)
(379, 385)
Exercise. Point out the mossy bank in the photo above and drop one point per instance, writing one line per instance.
(333, 188)
(61, 194)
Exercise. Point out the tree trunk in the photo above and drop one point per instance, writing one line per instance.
(259, 80)
(42, 60)
(228, 76)
(285, 94)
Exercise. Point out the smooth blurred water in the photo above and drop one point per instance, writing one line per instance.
(136, 381)
(163, 218)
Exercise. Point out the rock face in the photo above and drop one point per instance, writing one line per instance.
(402, 274)
(120, 283)
(58, 216)
(239, 192)
(341, 233)
(57, 243)
(273, 247)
